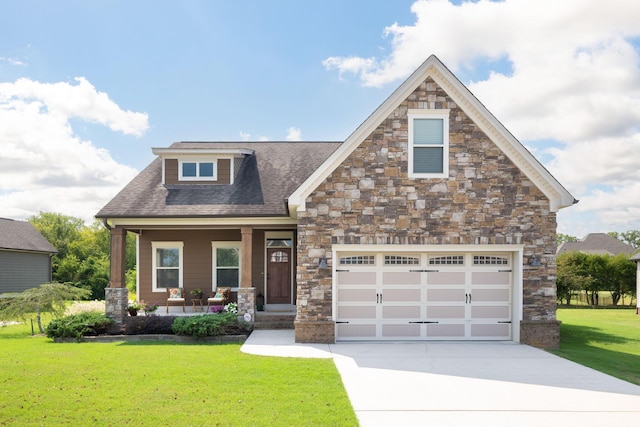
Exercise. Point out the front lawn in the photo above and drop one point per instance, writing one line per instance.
(604, 339)
(158, 383)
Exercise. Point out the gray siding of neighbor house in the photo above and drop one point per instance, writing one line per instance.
(23, 270)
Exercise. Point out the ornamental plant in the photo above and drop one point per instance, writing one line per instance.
(149, 308)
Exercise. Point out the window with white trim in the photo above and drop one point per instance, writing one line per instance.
(226, 263)
(428, 143)
(198, 170)
(167, 265)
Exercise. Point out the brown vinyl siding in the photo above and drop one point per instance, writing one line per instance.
(171, 173)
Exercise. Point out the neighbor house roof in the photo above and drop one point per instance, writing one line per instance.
(22, 236)
(558, 196)
(597, 243)
(263, 183)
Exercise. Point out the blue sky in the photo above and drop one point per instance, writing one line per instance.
(91, 86)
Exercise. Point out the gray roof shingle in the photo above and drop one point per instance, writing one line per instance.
(263, 183)
(597, 243)
(21, 235)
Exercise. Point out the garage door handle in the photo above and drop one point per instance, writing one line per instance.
(505, 271)
(424, 271)
(467, 298)
(342, 271)
(504, 321)
(342, 322)
(424, 321)
(378, 298)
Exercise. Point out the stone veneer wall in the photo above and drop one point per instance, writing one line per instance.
(369, 199)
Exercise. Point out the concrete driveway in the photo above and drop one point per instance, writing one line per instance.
(464, 384)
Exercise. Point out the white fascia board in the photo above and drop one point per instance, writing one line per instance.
(201, 151)
(426, 248)
(558, 196)
(200, 222)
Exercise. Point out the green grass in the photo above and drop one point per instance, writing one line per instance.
(607, 340)
(152, 383)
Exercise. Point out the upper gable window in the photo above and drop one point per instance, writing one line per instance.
(428, 143)
(198, 170)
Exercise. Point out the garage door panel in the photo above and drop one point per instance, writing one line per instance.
(493, 295)
(401, 295)
(356, 331)
(356, 312)
(357, 295)
(402, 312)
(442, 330)
(445, 312)
(490, 278)
(490, 312)
(445, 295)
(389, 331)
(401, 278)
(446, 278)
(357, 278)
(497, 330)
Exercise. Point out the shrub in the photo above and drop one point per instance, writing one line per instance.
(207, 325)
(141, 325)
(78, 325)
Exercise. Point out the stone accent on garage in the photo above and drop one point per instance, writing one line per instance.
(369, 199)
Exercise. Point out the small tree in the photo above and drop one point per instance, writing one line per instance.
(47, 298)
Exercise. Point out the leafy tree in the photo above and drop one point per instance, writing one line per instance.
(631, 237)
(60, 230)
(571, 275)
(623, 277)
(561, 238)
(47, 298)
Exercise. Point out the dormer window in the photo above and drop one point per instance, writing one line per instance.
(428, 143)
(198, 170)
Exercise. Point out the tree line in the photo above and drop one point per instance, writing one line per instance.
(83, 252)
(592, 274)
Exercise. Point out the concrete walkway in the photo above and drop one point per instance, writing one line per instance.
(464, 384)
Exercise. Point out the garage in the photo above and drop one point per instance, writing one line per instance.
(395, 295)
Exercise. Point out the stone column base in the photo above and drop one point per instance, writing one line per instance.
(116, 301)
(540, 333)
(320, 332)
(247, 302)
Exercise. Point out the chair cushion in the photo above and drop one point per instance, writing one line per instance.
(175, 293)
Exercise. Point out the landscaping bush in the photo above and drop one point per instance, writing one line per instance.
(140, 325)
(208, 325)
(79, 325)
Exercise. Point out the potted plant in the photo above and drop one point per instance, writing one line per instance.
(133, 308)
(196, 293)
(150, 308)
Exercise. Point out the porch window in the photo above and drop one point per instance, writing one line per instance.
(226, 263)
(167, 265)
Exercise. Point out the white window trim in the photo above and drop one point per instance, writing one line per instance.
(197, 162)
(165, 245)
(214, 267)
(430, 114)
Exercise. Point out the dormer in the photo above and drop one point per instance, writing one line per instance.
(200, 165)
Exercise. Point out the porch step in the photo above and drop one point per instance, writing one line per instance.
(274, 320)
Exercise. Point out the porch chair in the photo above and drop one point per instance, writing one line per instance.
(219, 297)
(176, 295)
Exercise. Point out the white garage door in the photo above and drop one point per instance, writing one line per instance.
(462, 296)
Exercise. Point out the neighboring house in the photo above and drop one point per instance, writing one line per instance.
(429, 222)
(636, 258)
(25, 256)
(599, 244)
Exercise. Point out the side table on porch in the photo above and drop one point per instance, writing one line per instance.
(197, 305)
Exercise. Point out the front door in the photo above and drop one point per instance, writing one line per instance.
(278, 275)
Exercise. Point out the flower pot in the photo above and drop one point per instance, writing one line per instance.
(132, 312)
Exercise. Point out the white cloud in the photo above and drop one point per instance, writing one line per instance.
(294, 134)
(45, 166)
(13, 61)
(574, 78)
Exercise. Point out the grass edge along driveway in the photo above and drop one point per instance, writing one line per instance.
(607, 340)
(156, 383)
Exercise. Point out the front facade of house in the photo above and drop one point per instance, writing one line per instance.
(430, 222)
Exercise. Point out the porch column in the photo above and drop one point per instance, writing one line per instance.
(116, 295)
(247, 292)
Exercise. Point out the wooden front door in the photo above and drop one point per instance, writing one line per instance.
(279, 276)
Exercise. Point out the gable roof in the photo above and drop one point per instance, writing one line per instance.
(22, 236)
(558, 196)
(269, 173)
(597, 243)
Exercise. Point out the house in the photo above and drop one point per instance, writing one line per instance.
(429, 222)
(25, 256)
(597, 243)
